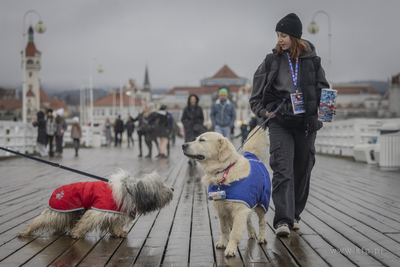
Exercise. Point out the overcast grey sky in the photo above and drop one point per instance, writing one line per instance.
(185, 41)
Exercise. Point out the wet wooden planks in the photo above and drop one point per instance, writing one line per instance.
(352, 218)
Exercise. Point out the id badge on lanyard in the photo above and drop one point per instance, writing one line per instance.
(296, 98)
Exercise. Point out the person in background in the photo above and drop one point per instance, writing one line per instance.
(51, 129)
(170, 127)
(76, 134)
(107, 131)
(130, 128)
(160, 120)
(61, 128)
(141, 129)
(192, 120)
(118, 129)
(150, 126)
(292, 135)
(41, 138)
(223, 114)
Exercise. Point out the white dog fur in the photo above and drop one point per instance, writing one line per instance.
(140, 196)
(215, 152)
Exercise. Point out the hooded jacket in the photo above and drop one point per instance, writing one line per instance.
(254, 190)
(192, 120)
(272, 83)
(223, 115)
(84, 196)
(41, 124)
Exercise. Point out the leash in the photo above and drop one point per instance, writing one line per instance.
(262, 125)
(55, 165)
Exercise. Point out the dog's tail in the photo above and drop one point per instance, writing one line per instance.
(257, 144)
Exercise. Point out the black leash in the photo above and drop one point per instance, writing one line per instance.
(262, 125)
(55, 165)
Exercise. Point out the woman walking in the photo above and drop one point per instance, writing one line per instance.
(292, 72)
(41, 138)
(141, 129)
(76, 134)
(161, 130)
(61, 127)
(192, 120)
(51, 129)
(107, 131)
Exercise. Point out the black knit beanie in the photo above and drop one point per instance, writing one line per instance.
(291, 25)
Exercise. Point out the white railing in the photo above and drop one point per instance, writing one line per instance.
(21, 137)
(358, 138)
(17, 136)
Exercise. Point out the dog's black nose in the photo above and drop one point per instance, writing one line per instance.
(184, 146)
(172, 189)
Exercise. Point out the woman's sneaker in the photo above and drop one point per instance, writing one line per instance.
(296, 225)
(282, 230)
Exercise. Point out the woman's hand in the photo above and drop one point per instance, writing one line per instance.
(267, 114)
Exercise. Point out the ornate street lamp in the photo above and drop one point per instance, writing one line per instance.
(100, 69)
(313, 29)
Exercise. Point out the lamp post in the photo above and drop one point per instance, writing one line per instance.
(39, 28)
(244, 88)
(313, 29)
(100, 69)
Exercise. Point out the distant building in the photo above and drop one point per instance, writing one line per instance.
(357, 100)
(112, 105)
(36, 98)
(394, 95)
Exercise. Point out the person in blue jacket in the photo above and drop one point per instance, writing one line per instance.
(223, 114)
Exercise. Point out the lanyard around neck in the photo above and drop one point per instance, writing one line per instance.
(294, 73)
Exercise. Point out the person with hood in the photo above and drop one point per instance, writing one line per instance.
(192, 120)
(223, 114)
(130, 128)
(142, 128)
(150, 122)
(51, 128)
(61, 127)
(76, 134)
(118, 130)
(41, 138)
(292, 73)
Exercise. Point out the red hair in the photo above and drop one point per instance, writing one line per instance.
(298, 47)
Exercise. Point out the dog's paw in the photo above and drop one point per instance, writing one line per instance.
(76, 236)
(23, 234)
(221, 244)
(230, 251)
(120, 234)
(252, 234)
(262, 240)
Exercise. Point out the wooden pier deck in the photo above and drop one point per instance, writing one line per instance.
(352, 217)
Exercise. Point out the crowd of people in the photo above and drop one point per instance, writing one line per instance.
(51, 131)
(153, 126)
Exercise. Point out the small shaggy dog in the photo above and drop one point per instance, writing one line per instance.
(87, 206)
(237, 184)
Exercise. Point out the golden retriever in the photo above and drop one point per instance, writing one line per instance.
(248, 174)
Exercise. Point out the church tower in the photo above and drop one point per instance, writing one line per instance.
(146, 86)
(32, 77)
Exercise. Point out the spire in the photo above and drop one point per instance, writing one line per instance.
(30, 49)
(30, 34)
(146, 85)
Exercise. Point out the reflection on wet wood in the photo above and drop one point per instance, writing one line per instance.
(352, 217)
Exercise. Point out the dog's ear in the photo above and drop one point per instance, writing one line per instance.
(224, 151)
